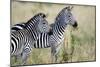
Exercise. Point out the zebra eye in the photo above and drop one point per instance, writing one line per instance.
(43, 23)
(69, 16)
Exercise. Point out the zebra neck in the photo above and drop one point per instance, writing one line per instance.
(58, 31)
(31, 25)
(32, 22)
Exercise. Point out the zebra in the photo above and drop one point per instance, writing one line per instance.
(17, 27)
(56, 35)
(64, 18)
(22, 25)
(23, 39)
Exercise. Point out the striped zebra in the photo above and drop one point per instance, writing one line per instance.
(22, 40)
(63, 19)
(56, 35)
(22, 25)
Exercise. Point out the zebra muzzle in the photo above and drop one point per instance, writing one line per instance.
(75, 24)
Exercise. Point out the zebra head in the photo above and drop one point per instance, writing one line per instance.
(38, 22)
(66, 17)
(43, 26)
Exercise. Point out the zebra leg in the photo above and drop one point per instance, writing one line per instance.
(53, 51)
(54, 57)
(24, 57)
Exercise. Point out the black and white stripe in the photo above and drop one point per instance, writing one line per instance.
(42, 41)
(56, 36)
(64, 18)
(17, 27)
(22, 40)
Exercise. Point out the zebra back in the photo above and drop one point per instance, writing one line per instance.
(17, 27)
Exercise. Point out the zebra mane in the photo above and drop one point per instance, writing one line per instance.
(42, 15)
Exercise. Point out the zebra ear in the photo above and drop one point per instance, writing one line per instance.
(71, 7)
(47, 14)
(44, 16)
(68, 8)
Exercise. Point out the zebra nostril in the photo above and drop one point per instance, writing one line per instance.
(75, 24)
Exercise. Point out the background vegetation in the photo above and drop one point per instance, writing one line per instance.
(78, 45)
